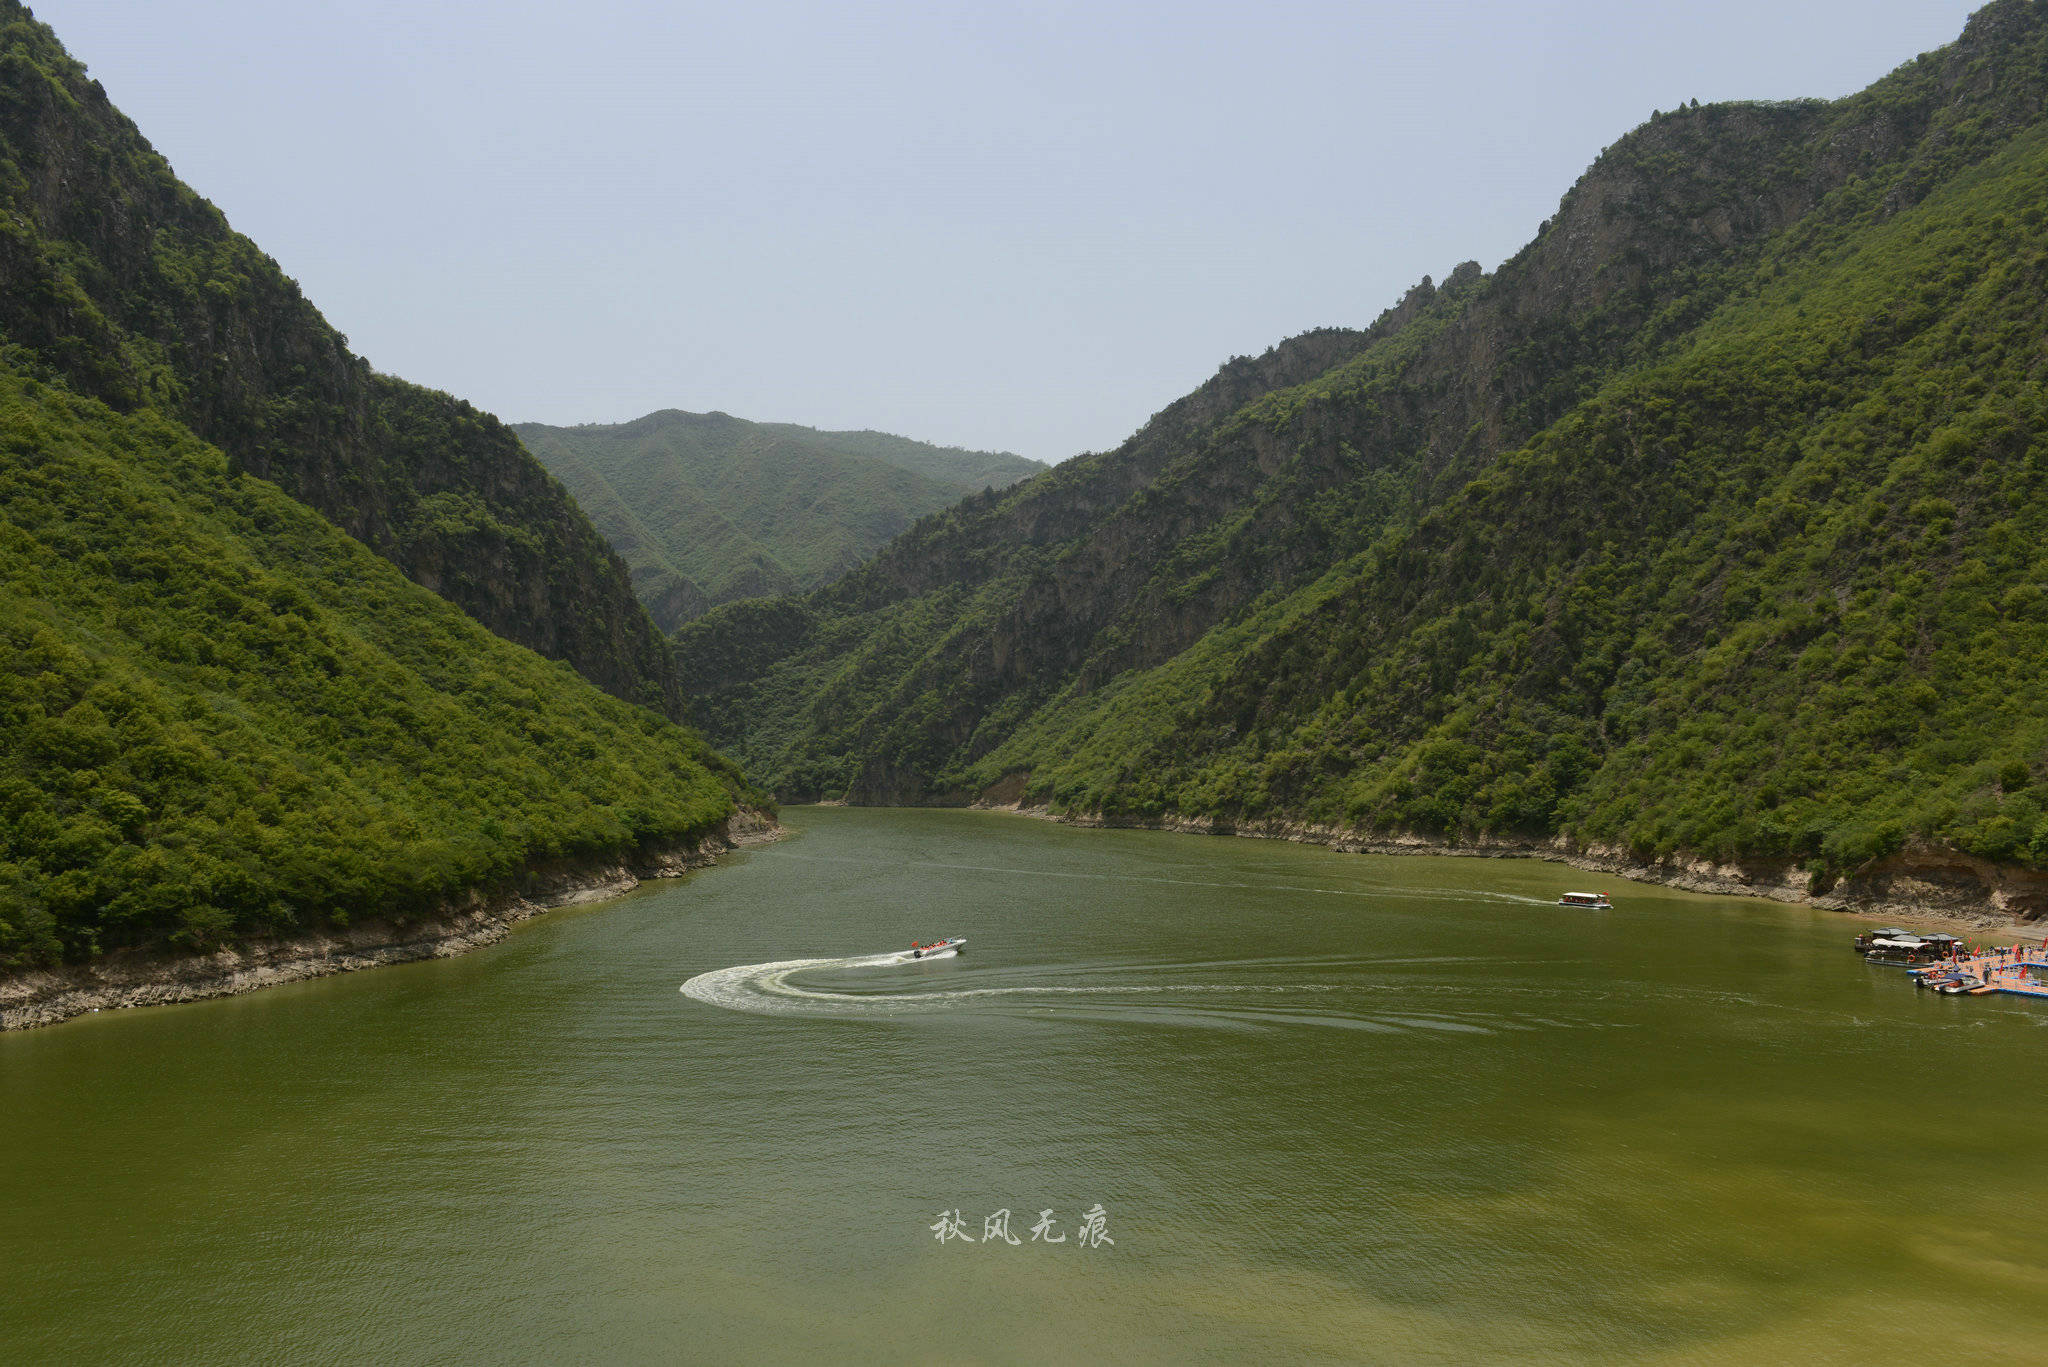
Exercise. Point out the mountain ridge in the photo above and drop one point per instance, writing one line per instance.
(225, 721)
(707, 508)
(124, 284)
(1186, 625)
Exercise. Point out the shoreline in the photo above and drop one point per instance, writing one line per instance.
(1933, 888)
(132, 978)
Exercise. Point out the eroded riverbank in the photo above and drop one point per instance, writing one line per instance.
(1933, 888)
(136, 978)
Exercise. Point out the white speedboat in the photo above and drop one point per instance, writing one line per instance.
(1586, 899)
(918, 951)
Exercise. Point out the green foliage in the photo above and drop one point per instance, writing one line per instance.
(954, 465)
(1711, 523)
(708, 509)
(221, 717)
(124, 285)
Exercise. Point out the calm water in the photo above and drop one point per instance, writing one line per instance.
(1335, 1108)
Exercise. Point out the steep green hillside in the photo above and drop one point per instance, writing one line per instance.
(120, 282)
(707, 508)
(221, 716)
(1709, 523)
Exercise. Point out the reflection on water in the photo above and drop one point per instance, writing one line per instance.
(1337, 1108)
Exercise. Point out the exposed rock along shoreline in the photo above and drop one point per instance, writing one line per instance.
(128, 978)
(1927, 884)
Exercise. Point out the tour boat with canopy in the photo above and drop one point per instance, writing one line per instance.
(1894, 946)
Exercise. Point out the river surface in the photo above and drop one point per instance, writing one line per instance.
(1329, 1107)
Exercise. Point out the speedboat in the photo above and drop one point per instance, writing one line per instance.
(1596, 900)
(918, 951)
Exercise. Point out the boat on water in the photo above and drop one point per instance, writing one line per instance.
(1596, 900)
(1895, 946)
(1945, 964)
(921, 951)
(1950, 982)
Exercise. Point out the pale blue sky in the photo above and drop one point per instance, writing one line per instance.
(1026, 227)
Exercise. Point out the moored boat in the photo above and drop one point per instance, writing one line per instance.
(1894, 946)
(1943, 976)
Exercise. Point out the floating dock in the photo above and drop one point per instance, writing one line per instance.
(1982, 971)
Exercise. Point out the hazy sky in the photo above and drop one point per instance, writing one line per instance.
(1025, 227)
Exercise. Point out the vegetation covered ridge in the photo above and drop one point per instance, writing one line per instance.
(123, 284)
(221, 717)
(706, 508)
(1708, 525)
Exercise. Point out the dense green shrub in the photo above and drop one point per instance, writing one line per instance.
(219, 716)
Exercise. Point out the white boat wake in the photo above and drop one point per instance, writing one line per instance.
(769, 989)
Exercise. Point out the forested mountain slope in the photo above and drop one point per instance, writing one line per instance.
(975, 470)
(120, 282)
(1710, 523)
(219, 716)
(706, 508)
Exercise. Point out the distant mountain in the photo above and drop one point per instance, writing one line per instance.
(1709, 526)
(706, 508)
(119, 282)
(976, 470)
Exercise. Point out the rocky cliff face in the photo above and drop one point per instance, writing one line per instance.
(1451, 570)
(1281, 465)
(120, 282)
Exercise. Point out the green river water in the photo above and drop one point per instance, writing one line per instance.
(1333, 1108)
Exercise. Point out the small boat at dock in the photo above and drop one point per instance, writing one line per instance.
(1949, 979)
(1954, 969)
(1894, 946)
(1596, 900)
